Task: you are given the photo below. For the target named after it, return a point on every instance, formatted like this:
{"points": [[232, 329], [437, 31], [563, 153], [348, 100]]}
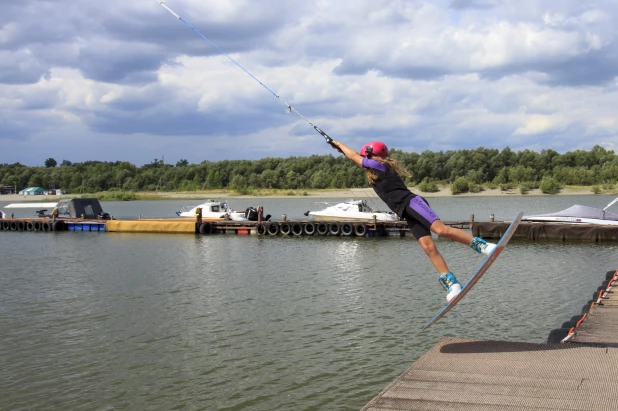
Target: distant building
{"points": [[32, 191], [7, 189]]}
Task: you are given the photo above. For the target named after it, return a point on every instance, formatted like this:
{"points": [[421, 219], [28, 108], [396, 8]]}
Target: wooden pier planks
{"points": [[492, 375], [600, 327], [579, 374]]}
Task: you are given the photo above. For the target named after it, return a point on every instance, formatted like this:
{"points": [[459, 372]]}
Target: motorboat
{"points": [[89, 208], [579, 214], [219, 210], [350, 210], [211, 210]]}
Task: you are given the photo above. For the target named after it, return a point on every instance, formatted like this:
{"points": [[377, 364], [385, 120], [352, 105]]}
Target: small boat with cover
{"points": [[87, 208], [578, 214]]}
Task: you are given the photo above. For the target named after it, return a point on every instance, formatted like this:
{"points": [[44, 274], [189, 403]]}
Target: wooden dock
{"points": [[271, 228], [580, 373], [598, 322], [292, 228]]}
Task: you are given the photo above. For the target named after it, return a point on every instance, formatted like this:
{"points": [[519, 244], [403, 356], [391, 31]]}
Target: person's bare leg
{"points": [[452, 233], [429, 246], [447, 279]]}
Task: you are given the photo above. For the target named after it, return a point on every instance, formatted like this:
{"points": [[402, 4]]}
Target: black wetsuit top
{"points": [[389, 186]]}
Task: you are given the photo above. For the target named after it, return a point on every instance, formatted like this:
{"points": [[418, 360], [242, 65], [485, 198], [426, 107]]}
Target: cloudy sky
{"points": [[125, 80]]}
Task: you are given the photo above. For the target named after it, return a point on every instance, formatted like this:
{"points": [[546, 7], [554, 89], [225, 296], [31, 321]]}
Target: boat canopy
{"points": [[89, 208]]}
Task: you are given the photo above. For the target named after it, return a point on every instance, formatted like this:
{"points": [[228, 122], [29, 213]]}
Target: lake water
{"points": [[102, 321]]}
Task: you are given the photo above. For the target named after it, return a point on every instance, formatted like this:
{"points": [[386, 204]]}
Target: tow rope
{"points": [[289, 107]]}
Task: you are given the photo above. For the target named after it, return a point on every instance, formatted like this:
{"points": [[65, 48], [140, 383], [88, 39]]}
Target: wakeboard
{"points": [[482, 269]]}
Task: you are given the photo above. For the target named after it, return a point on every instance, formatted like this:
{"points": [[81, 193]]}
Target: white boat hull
{"points": [[578, 214], [212, 210], [352, 218], [205, 216], [351, 210], [572, 220]]}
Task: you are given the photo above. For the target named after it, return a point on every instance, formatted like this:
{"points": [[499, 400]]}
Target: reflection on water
{"points": [[139, 321]]}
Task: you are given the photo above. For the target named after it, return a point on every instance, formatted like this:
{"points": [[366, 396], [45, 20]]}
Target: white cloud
{"points": [[540, 124], [417, 74]]}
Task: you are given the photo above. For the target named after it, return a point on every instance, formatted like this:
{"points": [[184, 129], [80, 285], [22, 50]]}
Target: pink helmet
{"points": [[375, 148]]}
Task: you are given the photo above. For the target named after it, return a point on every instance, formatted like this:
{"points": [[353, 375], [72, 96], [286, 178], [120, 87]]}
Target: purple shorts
{"points": [[419, 216]]}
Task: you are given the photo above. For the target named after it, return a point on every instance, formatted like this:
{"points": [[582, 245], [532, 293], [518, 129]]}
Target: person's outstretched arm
{"points": [[348, 152]]}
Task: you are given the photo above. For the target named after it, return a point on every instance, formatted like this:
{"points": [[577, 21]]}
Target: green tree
{"points": [[320, 180], [503, 176], [238, 182], [213, 180], [35, 181], [156, 163], [269, 179], [520, 173], [50, 162]]}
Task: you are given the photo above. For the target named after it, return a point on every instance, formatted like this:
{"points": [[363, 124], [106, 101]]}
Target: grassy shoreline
{"points": [[443, 191]]}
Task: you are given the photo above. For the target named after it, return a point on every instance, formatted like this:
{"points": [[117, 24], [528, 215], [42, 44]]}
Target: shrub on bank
{"points": [[474, 188], [526, 186], [550, 186], [116, 196], [460, 185], [427, 186]]}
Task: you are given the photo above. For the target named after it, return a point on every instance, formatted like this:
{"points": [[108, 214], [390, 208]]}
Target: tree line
{"points": [[467, 168]]}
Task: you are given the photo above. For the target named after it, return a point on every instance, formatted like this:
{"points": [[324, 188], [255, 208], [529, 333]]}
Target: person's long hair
{"points": [[391, 163]]}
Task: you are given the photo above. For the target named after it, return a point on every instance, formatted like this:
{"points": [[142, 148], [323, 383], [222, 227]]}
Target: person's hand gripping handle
{"points": [[328, 139]]}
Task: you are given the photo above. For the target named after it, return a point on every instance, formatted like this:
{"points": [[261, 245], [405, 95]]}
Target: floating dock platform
{"points": [[151, 226], [485, 229], [579, 372], [528, 230], [205, 227], [44, 225]]}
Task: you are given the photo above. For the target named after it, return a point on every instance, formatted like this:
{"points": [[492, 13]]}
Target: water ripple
{"points": [[223, 322]]}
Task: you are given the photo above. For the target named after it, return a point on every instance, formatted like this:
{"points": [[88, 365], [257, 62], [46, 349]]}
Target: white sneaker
{"points": [[488, 249], [451, 285], [481, 246], [453, 292]]}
